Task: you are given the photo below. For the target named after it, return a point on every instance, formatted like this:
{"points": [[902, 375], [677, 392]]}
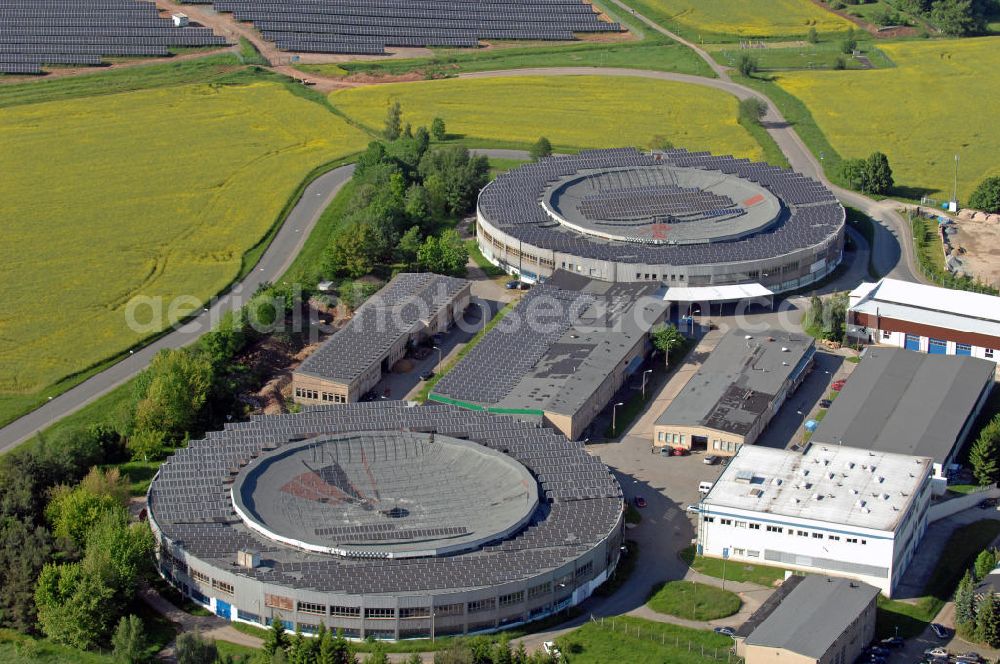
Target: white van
{"points": [[704, 488]]}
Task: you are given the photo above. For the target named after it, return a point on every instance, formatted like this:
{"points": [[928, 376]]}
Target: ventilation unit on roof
{"points": [[881, 479], [885, 496], [817, 497], [860, 503], [784, 349], [849, 465]]}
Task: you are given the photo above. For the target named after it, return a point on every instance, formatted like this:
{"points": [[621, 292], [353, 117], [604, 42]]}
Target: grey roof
{"points": [[579, 501], [906, 402], [555, 348], [813, 616], [808, 214], [739, 380], [399, 309], [367, 492]]}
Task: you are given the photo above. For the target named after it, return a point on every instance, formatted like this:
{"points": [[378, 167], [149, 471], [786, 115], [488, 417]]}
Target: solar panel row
{"points": [[322, 26], [80, 32]]}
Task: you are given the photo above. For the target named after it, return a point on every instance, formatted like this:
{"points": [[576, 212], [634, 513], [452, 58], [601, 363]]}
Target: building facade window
{"points": [[481, 605], [345, 611], [378, 613], [309, 607], [989, 353], [278, 602]]}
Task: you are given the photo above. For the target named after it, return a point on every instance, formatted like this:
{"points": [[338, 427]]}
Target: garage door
{"points": [[222, 609], [963, 349], [912, 342], [937, 347]]}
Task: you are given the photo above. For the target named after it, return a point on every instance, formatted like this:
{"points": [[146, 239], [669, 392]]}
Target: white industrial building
{"points": [[927, 319], [830, 509]]}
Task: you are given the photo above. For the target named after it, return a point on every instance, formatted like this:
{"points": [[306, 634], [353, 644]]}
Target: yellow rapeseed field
{"points": [[156, 193], [942, 99], [747, 18], [571, 111]]}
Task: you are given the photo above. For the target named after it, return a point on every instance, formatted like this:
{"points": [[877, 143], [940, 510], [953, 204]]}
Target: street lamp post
{"points": [[614, 418], [437, 368], [644, 374]]}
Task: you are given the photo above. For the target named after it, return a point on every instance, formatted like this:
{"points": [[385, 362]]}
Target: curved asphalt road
{"points": [[886, 250], [276, 260]]}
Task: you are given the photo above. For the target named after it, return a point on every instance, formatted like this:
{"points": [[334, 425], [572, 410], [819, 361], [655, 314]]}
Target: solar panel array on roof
{"points": [[511, 204], [378, 324], [367, 27], [580, 502], [35, 33]]}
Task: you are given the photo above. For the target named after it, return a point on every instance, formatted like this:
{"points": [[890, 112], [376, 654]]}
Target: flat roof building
{"points": [[909, 403], [829, 509], [408, 310], [815, 620], [561, 353], [730, 400], [928, 319]]}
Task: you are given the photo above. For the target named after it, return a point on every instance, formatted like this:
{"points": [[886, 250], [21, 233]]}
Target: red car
{"points": [[838, 385], [639, 501]]}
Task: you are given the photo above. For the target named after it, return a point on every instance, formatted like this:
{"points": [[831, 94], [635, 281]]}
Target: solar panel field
{"points": [[157, 191], [951, 87], [571, 111], [741, 18]]}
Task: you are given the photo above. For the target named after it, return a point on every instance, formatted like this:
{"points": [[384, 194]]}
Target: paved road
{"points": [[276, 260], [891, 225]]}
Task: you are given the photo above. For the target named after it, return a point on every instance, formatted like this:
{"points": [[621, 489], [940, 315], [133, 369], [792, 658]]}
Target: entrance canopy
{"points": [[718, 294]]}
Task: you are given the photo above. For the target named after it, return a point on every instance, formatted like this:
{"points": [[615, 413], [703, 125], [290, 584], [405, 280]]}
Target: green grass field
{"points": [[571, 111], [823, 55], [762, 575], [911, 618], [726, 20], [694, 601], [156, 193], [654, 52], [937, 102], [638, 641]]}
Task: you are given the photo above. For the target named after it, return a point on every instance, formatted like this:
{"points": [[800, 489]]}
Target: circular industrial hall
{"points": [[386, 520], [682, 218]]}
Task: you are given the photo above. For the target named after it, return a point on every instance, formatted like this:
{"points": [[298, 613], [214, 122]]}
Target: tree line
{"points": [[406, 198]]}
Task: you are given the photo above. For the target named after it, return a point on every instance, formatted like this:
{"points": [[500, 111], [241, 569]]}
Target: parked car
{"points": [[825, 403], [710, 460], [838, 385], [969, 658], [512, 285], [639, 501], [673, 451], [878, 651], [704, 488], [427, 375], [936, 652], [940, 631], [892, 642], [725, 631]]}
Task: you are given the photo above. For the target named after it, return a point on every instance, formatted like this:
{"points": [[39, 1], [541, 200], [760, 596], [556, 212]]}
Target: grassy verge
{"points": [[632, 515], [762, 575], [429, 385], [865, 226], [638, 641], [626, 565], [208, 70], [693, 601], [772, 153], [797, 114], [481, 261], [911, 618], [20, 649], [823, 55], [635, 404], [651, 53]]}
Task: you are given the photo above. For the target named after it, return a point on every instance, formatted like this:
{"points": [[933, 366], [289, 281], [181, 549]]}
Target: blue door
{"points": [[222, 609], [963, 349], [912, 342], [937, 347]]}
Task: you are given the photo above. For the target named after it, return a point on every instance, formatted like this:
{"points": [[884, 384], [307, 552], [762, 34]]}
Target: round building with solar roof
{"points": [[682, 218], [386, 520]]}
